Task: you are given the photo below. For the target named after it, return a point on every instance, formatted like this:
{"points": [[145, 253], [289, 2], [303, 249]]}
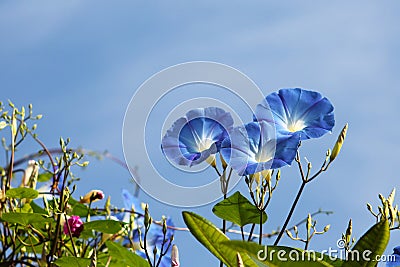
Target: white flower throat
{"points": [[295, 126]]}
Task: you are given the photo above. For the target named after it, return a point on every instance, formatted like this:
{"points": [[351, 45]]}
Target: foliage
{"points": [[43, 224]]}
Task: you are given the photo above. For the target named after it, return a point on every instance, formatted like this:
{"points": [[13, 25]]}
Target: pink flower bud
{"points": [[92, 196], [75, 225]]}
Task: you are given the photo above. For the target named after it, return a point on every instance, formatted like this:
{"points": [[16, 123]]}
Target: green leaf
{"points": [[37, 209], [104, 226], [26, 208], [211, 237], [25, 218], [239, 210], [80, 209], [72, 262], [44, 177], [123, 257], [22, 192], [371, 244], [282, 256]]}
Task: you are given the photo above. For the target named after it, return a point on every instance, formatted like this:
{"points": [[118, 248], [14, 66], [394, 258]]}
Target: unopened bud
{"points": [[339, 143], [349, 231], [296, 231], [107, 205], [92, 196], [382, 198], [369, 207], [211, 160], [326, 228], [278, 175], [239, 260], [223, 162], [164, 227], [290, 234], [175, 256], [391, 196], [147, 217], [155, 250], [309, 224]]}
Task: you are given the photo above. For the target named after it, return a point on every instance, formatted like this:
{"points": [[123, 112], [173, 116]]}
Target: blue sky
{"points": [[80, 62]]}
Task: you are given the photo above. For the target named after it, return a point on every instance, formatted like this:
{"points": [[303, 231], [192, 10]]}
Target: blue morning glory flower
{"points": [[197, 136], [396, 262], [298, 111], [155, 238], [129, 202], [155, 235], [253, 148]]}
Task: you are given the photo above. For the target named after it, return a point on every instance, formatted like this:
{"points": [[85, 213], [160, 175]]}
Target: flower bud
{"points": [[339, 143], [211, 160], [290, 235], [30, 176], [326, 228], [391, 196], [309, 224], [175, 257], [75, 225], [382, 198], [164, 226], [223, 162], [92, 196], [239, 260], [278, 175], [108, 205], [147, 217], [155, 250], [369, 207], [349, 231]]}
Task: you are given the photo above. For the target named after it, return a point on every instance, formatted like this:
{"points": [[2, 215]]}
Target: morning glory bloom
{"points": [[197, 136], [130, 202], [396, 262], [155, 238], [299, 111], [155, 234], [253, 148]]}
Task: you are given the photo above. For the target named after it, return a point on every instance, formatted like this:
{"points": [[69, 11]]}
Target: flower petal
{"points": [[193, 138], [253, 148], [298, 110]]}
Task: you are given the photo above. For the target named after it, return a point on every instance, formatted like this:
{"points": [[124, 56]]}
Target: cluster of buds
{"points": [[311, 231], [388, 211]]}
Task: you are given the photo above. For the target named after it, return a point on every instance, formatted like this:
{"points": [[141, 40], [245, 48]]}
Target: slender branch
{"points": [[296, 200]]}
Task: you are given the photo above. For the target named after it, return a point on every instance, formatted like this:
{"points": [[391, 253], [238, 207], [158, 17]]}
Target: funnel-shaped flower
{"points": [[197, 136], [298, 111], [253, 148], [155, 235]]}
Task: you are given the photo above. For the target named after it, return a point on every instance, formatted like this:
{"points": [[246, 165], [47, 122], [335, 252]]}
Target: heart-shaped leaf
{"points": [[239, 210]]}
